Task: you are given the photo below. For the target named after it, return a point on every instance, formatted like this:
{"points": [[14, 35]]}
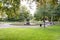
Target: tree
{"points": [[40, 13], [47, 9], [24, 13], [58, 12], [11, 7]]}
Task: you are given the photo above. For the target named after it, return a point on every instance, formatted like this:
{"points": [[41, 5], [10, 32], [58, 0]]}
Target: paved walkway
{"points": [[19, 25], [16, 25]]}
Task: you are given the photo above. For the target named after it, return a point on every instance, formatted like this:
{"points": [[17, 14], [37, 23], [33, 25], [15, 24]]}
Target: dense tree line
{"points": [[51, 11], [45, 8], [13, 10]]}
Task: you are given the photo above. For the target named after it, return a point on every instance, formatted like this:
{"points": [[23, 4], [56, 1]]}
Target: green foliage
{"points": [[23, 13], [40, 13], [52, 12], [0, 4], [58, 10], [13, 12]]}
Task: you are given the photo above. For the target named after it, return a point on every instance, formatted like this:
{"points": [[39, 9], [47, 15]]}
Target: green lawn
{"points": [[50, 33]]}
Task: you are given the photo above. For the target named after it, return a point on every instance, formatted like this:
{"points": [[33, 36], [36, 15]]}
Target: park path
{"points": [[16, 25], [19, 25]]}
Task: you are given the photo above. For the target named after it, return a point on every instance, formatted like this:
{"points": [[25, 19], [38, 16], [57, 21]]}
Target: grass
{"points": [[49, 33]]}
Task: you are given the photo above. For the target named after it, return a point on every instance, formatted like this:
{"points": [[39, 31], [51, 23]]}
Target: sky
{"points": [[30, 5]]}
